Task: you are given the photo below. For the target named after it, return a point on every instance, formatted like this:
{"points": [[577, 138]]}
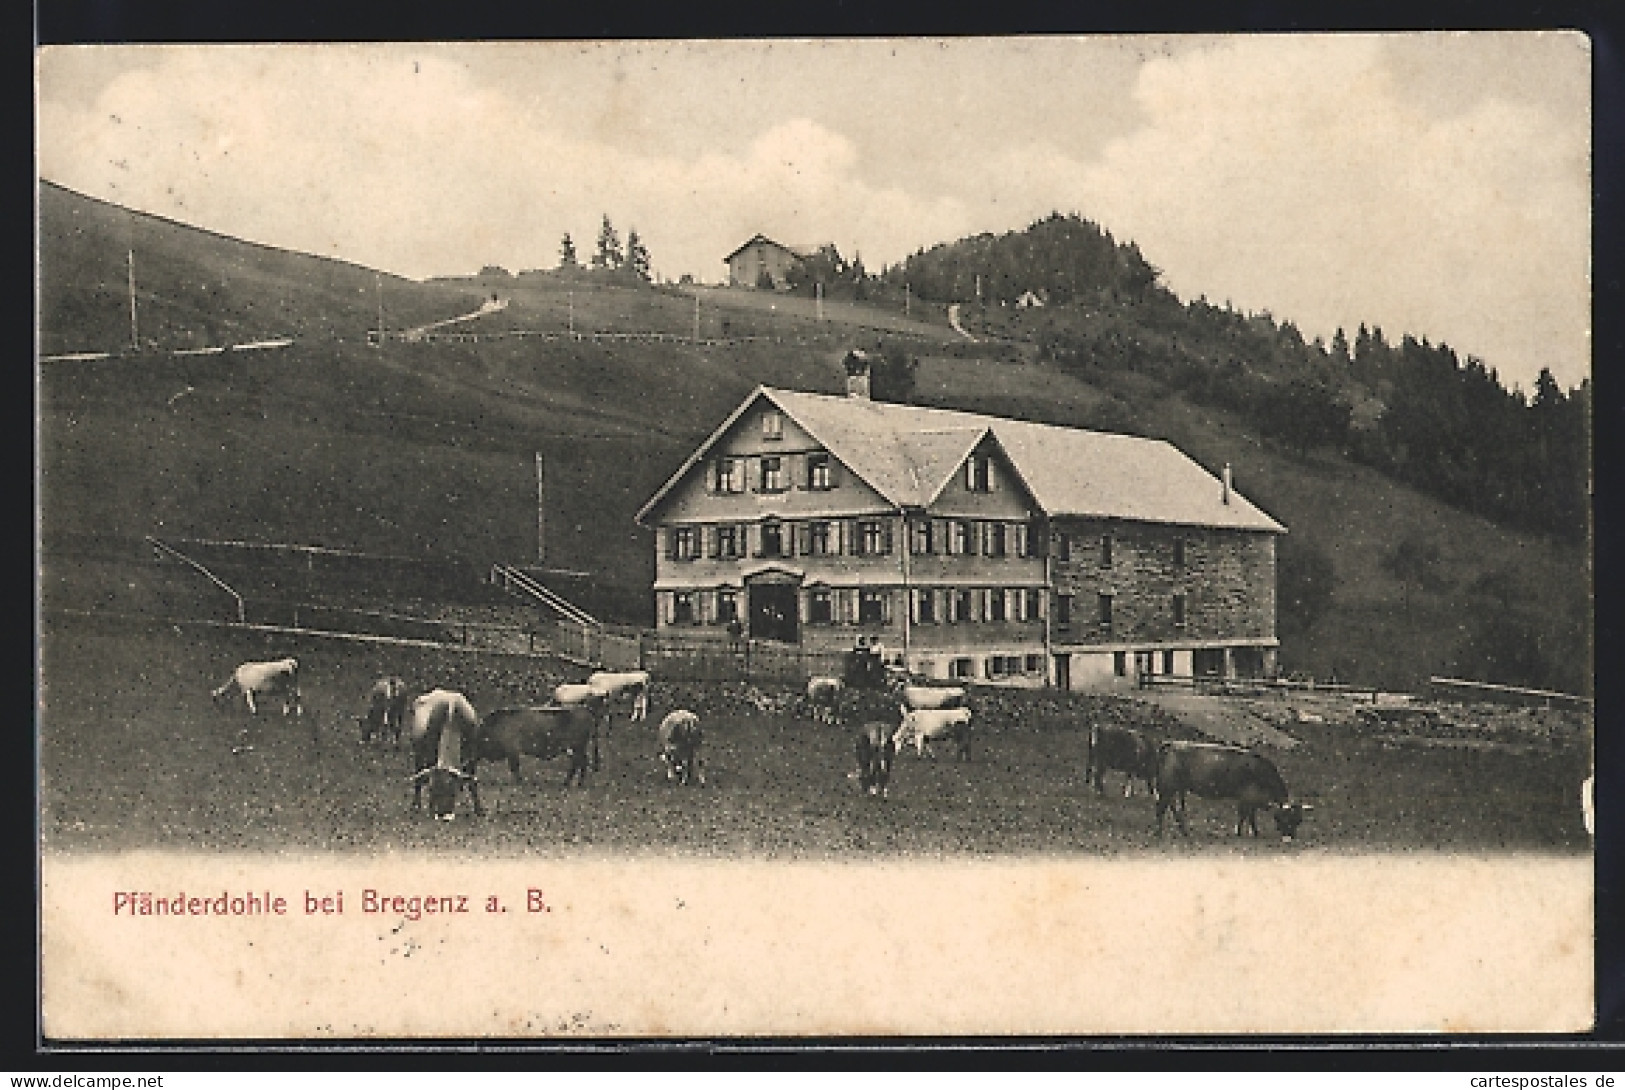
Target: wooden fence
{"points": [[678, 659]]}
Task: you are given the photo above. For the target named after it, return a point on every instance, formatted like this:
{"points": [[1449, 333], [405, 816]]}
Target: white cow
{"points": [[629, 684], [680, 741], [932, 724], [929, 697], [824, 697], [265, 680]]}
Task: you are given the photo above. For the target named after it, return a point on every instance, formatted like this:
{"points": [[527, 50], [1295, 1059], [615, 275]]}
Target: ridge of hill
{"points": [[428, 449]]}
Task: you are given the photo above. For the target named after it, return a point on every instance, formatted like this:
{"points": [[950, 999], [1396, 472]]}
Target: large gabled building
{"points": [[971, 546]]}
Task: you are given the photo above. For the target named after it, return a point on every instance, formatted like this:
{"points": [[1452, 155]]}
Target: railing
{"points": [[512, 579], [169, 550], [1459, 688]]}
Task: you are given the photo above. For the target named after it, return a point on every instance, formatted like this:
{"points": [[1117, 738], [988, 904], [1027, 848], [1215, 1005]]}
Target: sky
{"points": [[1436, 184]]}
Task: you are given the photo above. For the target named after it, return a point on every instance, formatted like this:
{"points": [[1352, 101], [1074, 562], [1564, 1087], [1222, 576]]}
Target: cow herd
{"points": [[448, 739]]}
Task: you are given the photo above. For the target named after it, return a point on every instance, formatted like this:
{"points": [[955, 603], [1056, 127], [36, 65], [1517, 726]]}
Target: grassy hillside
{"points": [[428, 449]]}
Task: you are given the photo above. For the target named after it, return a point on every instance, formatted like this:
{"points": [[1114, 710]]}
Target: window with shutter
{"points": [[818, 607], [1105, 604], [772, 539], [1105, 550], [1018, 534], [920, 537], [713, 470], [871, 607], [819, 472]]}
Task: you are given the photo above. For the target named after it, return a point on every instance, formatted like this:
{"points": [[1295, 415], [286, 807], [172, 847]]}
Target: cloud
{"points": [[1301, 181], [408, 163]]}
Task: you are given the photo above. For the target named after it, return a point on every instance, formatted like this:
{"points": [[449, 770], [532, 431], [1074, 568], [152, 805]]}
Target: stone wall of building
{"points": [[1226, 579]]}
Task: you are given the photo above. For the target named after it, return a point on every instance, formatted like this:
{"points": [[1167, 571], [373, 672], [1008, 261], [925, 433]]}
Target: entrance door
{"points": [[773, 612], [1063, 672]]}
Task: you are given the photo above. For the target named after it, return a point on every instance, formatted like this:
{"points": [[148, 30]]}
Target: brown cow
{"points": [[1224, 772], [875, 750], [1122, 749], [546, 732]]}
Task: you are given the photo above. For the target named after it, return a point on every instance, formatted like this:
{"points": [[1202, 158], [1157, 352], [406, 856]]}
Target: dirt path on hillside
{"points": [[1220, 719]]}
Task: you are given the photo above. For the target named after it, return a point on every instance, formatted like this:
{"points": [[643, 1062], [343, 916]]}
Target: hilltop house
{"points": [[973, 546], [761, 256]]}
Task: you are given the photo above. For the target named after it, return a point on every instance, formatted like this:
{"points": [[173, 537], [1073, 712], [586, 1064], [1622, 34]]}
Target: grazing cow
{"points": [[265, 680], [630, 685], [570, 694], [680, 739], [1224, 772], [444, 732], [930, 697], [875, 748], [1124, 750], [387, 702], [932, 724], [824, 698], [547, 732]]}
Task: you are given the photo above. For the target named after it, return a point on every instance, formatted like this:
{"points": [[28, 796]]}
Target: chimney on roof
{"points": [[857, 365], [1224, 496]]}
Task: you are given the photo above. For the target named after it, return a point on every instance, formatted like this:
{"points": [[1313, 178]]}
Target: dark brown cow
{"points": [[444, 732], [1120, 749], [875, 751], [1224, 772], [544, 733]]}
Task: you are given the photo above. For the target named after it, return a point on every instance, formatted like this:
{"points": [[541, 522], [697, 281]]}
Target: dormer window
{"points": [[979, 473], [772, 424]]}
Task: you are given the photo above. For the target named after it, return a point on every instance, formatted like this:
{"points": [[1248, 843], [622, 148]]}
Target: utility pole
{"points": [[135, 332], [572, 296], [818, 294], [541, 515], [378, 285], [696, 317], [905, 299]]}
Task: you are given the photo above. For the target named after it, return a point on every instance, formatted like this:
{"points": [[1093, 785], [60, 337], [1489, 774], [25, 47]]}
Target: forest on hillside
{"points": [[1417, 411]]}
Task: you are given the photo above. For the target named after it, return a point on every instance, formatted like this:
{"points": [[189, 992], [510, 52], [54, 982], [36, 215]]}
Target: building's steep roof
{"points": [[1069, 471], [801, 250], [908, 453]]}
